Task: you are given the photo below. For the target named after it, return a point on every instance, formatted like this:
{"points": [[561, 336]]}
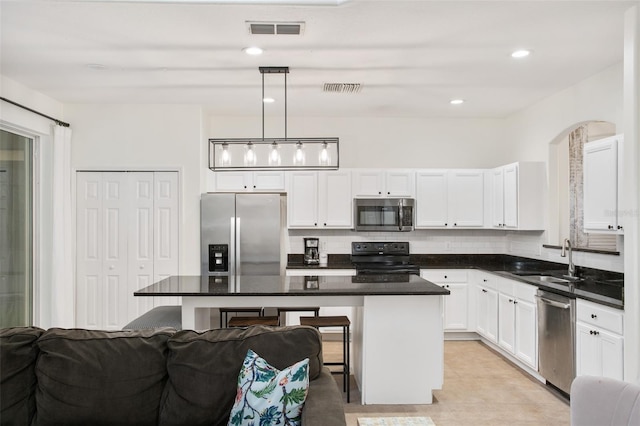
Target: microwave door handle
{"points": [[400, 214]]}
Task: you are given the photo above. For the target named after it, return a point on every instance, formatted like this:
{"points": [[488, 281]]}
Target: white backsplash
{"points": [[516, 243]]}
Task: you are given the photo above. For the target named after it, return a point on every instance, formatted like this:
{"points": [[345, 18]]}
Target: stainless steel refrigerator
{"points": [[242, 234]]}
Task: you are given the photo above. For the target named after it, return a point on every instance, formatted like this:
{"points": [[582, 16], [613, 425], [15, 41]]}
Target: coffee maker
{"points": [[311, 251]]}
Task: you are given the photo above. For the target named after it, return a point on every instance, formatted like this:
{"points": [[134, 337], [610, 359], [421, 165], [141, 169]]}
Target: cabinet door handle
{"points": [[379, 192], [515, 302], [445, 224], [610, 227], [510, 300], [594, 316], [484, 279], [388, 192], [619, 227], [484, 291]]}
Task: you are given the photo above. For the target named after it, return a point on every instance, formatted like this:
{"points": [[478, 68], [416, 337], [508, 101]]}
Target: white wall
{"points": [[598, 98], [17, 119], [146, 137], [389, 141], [531, 131]]}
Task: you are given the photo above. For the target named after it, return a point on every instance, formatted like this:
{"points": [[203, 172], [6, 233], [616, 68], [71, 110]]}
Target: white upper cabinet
{"points": [[267, 180], [450, 198], [379, 183], [320, 199], [302, 199], [335, 202], [602, 169], [517, 196], [466, 198], [431, 199]]}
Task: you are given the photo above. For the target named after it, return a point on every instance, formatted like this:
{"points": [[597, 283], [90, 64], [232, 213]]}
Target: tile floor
{"points": [[480, 388]]}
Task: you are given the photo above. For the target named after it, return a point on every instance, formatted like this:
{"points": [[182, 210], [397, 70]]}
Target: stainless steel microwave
{"points": [[383, 214]]}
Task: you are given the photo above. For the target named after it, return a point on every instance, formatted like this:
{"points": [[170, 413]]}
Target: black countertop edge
{"points": [[310, 293], [584, 249]]}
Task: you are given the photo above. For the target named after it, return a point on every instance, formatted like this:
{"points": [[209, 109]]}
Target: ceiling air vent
{"points": [[342, 87], [276, 28]]}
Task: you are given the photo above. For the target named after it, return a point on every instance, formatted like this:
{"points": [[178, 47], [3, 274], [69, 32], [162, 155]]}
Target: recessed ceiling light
{"points": [[253, 50], [268, 100], [456, 101], [520, 54]]}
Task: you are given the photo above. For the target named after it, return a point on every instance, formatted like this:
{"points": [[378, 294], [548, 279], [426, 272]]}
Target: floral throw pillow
{"points": [[267, 396]]}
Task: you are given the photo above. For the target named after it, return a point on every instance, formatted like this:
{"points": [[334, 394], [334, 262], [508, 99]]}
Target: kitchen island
{"points": [[397, 331]]}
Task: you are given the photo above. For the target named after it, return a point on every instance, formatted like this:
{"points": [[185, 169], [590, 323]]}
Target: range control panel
{"points": [[364, 248]]}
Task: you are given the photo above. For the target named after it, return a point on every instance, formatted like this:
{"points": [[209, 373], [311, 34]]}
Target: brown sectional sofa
{"points": [[149, 377]]}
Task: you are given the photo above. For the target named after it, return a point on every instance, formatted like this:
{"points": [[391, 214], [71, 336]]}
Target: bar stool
{"points": [[335, 321], [249, 321], [224, 312], [314, 309]]}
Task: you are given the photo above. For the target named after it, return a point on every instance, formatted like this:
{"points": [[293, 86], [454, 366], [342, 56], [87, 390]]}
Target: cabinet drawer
{"points": [[526, 292], [506, 287], [599, 316], [487, 280], [444, 275]]}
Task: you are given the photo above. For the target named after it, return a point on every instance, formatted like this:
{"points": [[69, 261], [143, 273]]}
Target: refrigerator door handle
{"points": [[237, 239], [232, 246]]}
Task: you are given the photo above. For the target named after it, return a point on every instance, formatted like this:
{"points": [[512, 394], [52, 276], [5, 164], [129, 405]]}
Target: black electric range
{"points": [[381, 259]]}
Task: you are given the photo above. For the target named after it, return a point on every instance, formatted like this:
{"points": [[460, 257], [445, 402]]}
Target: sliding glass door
{"points": [[16, 229]]}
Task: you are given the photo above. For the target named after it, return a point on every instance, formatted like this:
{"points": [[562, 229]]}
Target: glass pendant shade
{"points": [[299, 155], [250, 155], [274, 155]]}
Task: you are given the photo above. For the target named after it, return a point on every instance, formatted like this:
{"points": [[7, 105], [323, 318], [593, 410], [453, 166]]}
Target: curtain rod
{"points": [[58, 122]]}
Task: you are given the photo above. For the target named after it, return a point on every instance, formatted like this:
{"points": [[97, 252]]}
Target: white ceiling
{"points": [[411, 57]]}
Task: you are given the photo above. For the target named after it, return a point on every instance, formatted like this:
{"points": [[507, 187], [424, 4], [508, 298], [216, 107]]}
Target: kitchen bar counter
{"points": [[396, 322]]}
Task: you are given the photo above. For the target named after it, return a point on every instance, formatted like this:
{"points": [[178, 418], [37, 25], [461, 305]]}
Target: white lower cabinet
{"points": [[456, 304], [487, 305], [293, 318], [517, 320], [599, 340]]}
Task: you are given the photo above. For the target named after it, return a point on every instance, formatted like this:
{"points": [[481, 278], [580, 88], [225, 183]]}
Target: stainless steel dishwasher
{"points": [[556, 339]]}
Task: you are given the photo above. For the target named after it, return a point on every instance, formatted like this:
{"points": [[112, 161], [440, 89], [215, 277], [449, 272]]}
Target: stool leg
{"points": [[347, 367]]}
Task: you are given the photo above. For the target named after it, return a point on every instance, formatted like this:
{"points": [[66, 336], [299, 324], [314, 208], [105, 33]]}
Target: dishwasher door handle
{"points": [[554, 303]]}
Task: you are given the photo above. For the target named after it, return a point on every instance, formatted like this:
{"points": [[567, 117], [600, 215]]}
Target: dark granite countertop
{"points": [[279, 285], [598, 286]]}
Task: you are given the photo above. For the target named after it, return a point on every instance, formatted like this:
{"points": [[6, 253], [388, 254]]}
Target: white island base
{"points": [[397, 340]]}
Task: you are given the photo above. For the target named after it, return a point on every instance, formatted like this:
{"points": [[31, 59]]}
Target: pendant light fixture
{"points": [[274, 153]]}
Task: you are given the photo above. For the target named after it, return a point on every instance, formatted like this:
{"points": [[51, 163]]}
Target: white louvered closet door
{"points": [[119, 233]]}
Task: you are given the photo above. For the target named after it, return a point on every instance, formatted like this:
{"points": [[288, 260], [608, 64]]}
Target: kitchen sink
{"points": [[548, 279]]}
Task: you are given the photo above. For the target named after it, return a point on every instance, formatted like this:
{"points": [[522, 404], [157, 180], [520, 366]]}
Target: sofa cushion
{"points": [[267, 395], [18, 354], [203, 368], [100, 377]]}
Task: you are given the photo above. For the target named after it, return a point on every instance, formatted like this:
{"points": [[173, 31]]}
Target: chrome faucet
{"points": [[566, 246]]}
